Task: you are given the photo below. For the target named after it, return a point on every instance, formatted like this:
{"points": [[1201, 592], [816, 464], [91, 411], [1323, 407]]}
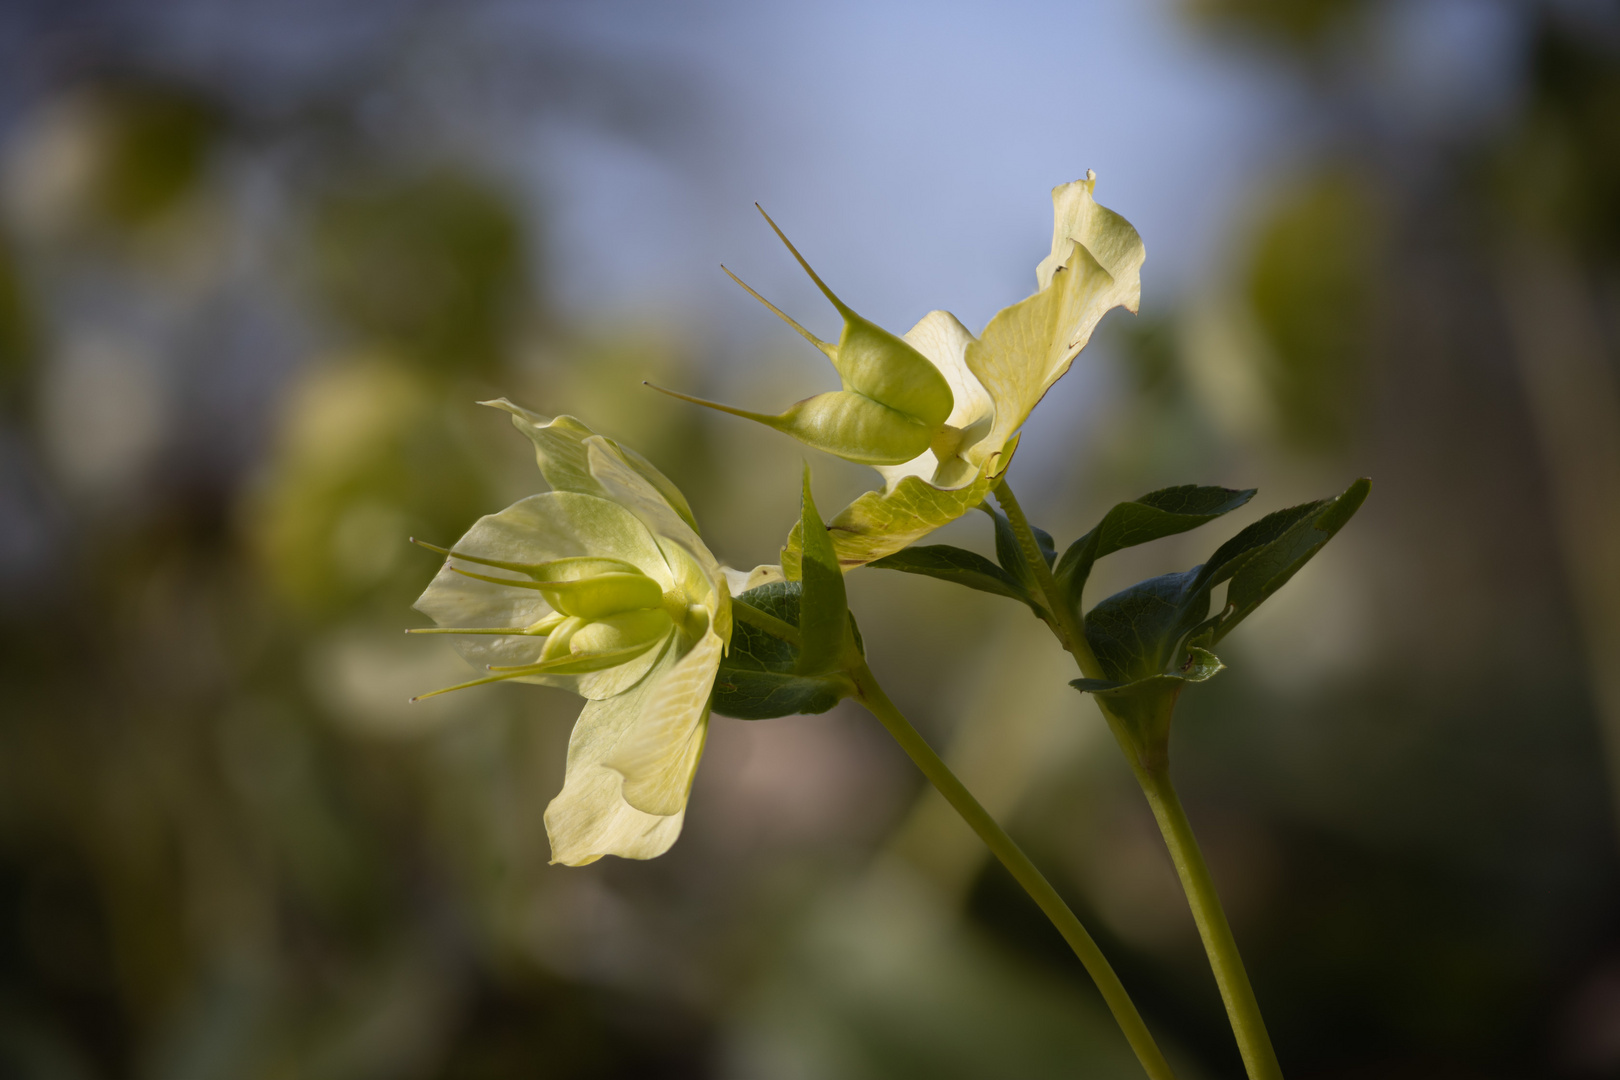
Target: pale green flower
{"points": [[600, 586], [995, 380]]}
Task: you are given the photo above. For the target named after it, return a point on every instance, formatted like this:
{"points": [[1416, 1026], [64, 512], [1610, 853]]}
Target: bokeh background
{"points": [[258, 260]]}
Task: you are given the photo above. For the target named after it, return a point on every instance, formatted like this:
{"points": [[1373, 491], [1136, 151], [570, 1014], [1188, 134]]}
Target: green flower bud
{"points": [[894, 403]]}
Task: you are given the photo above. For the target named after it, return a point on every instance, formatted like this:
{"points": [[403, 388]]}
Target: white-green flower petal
{"points": [[559, 448], [695, 571], [1094, 266], [740, 581], [660, 483], [659, 754], [955, 456], [590, 818], [627, 487], [1110, 239]]}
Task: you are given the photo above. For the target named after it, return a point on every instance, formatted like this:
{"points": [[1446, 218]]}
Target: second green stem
{"points": [[870, 694], [1248, 1027]]}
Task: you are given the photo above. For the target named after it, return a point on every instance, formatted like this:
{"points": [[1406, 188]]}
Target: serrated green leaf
{"points": [[1153, 516], [1134, 632], [767, 695], [1267, 568], [956, 565], [755, 649], [757, 678], [1231, 556], [823, 607]]}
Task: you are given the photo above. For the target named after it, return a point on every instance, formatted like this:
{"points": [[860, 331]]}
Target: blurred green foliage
{"points": [[1311, 285], [1288, 24], [1558, 170], [368, 455], [433, 266], [16, 330], [154, 143]]}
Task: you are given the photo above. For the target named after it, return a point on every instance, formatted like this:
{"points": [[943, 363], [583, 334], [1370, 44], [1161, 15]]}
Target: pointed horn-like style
{"points": [[780, 314], [843, 309], [530, 568], [767, 419]]}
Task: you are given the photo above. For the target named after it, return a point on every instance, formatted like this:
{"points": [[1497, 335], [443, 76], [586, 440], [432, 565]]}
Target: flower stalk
{"points": [[1149, 760], [1066, 624], [1254, 1043]]}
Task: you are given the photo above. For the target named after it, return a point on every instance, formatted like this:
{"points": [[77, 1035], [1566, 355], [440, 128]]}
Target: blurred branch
{"points": [[1574, 401], [1009, 733]]}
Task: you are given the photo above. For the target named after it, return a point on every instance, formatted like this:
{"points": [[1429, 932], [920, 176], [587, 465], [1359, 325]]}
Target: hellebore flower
{"points": [[600, 586], [938, 411]]}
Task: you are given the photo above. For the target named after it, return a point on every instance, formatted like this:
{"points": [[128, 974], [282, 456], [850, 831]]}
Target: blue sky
{"points": [[908, 149]]}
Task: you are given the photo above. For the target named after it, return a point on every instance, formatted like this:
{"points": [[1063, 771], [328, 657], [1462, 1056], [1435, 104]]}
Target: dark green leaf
{"points": [[1044, 541], [1263, 570], [757, 678], [1133, 632], [1011, 556], [824, 610], [955, 564], [1231, 556], [755, 649], [1153, 516], [766, 695]]}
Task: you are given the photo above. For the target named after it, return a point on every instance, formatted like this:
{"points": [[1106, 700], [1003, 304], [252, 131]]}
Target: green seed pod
{"points": [[604, 595], [894, 401], [629, 630]]}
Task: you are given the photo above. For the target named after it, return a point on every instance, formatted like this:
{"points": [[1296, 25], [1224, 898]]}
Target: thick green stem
{"points": [[1064, 622], [870, 694], [1150, 763], [1259, 1059]]}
